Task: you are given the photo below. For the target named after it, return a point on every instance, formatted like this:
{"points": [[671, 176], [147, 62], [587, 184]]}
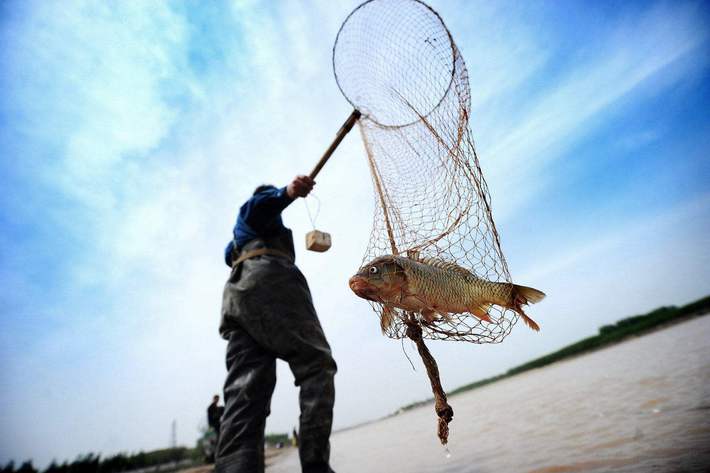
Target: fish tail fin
{"points": [[526, 295], [386, 318]]}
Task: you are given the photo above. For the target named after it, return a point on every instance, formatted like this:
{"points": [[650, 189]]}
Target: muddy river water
{"points": [[640, 406]]}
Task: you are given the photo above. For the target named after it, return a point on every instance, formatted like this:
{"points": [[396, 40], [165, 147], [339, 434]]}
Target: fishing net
{"points": [[396, 62]]}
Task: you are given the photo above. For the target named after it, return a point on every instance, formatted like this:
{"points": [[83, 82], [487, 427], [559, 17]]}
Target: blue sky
{"points": [[131, 132]]}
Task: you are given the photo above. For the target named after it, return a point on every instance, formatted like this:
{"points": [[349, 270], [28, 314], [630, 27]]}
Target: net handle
{"points": [[344, 130]]}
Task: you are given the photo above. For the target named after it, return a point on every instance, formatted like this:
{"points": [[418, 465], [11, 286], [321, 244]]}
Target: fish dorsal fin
{"points": [[445, 265]]}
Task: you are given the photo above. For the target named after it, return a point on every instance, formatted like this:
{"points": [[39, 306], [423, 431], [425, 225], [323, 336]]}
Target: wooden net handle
{"points": [[347, 126]]}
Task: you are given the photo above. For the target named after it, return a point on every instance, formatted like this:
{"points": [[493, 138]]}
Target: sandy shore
{"points": [[270, 456], [642, 405]]}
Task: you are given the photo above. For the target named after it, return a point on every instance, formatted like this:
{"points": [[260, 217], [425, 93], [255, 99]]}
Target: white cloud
{"points": [[97, 83], [567, 109]]}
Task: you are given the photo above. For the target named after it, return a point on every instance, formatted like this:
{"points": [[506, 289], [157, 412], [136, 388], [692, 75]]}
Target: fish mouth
{"points": [[362, 288]]}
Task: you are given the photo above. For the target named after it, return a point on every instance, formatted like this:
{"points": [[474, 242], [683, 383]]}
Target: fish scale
{"points": [[441, 282]]}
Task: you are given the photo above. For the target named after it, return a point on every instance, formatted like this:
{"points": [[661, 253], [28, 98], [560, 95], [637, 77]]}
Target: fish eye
{"points": [[373, 270]]}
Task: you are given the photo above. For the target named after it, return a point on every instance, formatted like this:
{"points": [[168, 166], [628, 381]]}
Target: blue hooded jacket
{"points": [[260, 216]]}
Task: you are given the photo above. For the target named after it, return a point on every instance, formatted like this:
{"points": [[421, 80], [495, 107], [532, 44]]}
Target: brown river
{"points": [[639, 406]]}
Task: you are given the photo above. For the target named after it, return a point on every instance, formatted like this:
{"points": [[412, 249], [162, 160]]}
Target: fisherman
{"points": [[268, 313]]}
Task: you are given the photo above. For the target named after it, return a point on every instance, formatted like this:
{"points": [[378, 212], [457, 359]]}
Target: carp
{"points": [[435, 289]]}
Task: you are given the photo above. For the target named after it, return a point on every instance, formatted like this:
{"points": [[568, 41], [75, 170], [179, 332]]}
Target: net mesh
{"points": [[396, 62]]}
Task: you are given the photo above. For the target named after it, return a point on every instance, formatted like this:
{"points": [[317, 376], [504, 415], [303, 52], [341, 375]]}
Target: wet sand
{"points": [[639, 406]]}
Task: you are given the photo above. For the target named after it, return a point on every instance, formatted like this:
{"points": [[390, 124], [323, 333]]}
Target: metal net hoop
{"points": [[394, 60]]}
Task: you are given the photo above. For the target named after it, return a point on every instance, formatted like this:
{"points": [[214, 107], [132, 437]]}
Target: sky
{"points": [[131, 132]]}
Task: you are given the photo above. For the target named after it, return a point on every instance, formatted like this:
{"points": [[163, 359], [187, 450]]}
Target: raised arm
{"points": [[268, 204]]}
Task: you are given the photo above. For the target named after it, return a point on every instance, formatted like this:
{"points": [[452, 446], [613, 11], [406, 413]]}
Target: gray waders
{"points": [[267, 313]]}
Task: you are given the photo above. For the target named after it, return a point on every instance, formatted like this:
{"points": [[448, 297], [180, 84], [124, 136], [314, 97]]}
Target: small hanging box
{"points": [[317, 241]]}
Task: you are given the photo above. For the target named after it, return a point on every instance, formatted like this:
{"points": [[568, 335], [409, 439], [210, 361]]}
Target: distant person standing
{"points": [[214, 414], [294, 438]]}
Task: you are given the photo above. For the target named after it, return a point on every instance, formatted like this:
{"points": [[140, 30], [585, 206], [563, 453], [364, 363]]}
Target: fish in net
{"points": [[433, 268]]}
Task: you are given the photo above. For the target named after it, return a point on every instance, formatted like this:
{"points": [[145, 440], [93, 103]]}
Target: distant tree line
{"points": [[26, 467], [273, 439], [92, 463], [621, 330]]}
